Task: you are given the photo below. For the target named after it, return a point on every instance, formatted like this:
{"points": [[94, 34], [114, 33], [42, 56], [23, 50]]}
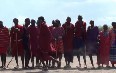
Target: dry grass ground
{"points": [[62, 70]]}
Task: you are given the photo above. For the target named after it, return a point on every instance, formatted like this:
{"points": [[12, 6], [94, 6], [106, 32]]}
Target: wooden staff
{"points": [[16, 49]]}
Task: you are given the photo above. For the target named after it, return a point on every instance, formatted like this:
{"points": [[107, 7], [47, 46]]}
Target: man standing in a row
{"points": [[92, 40], [45, 45], [17, 49], [80, 37], [103, 55], [113, 44], [33, 40], [68, 41], [57, 33], [4, 43], [26, 42]]}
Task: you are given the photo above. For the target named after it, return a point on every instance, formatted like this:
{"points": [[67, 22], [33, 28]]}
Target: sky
{"points": [[101, 11]]}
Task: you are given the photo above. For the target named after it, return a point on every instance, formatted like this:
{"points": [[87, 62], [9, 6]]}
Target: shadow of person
{"points": [[39, 72]]}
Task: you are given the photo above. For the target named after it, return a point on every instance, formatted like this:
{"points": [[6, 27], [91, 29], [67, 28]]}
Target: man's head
{"points": [[105, 27], [57, 23], [41, 19], [68, 19], [33, 22], [114, 25], [91, 23], [53, 23], [15, 20], [80, 18], [27, 21], [1, 24]]}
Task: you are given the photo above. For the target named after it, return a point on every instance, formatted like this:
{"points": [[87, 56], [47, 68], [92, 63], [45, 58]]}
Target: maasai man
{"points": [[57, 33], [4, 43], [113, 44], [53, 54], [80, 35], [45, 44], [92, 40], [17, 48], [38, 57], [33, 40], [104, 47], [26, 42], [68, 41]]}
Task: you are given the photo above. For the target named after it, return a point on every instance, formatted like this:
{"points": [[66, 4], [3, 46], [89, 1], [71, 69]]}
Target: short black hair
{"points": [[41, 18], [15, 19], [27, 19], [53, 22], [57, 21], [91, 21], [1, 22], [80, 17], [32, 20], [113, 23], [69, 17], [105, 25]]}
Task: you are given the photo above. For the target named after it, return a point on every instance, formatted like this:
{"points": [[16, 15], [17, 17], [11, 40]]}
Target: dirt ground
{"points": [[74, 69]]}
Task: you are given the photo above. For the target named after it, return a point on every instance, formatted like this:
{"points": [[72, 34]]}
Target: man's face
{"points": [[15, 22], [33, 22], [80, 19], [105, 28], [27, 22], [114, 26], [68, 20], [92, 23], [40, 21]]}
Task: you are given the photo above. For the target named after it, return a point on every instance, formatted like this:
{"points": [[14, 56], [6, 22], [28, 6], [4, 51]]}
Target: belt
{"points": [[60, 37], [18, 40]]}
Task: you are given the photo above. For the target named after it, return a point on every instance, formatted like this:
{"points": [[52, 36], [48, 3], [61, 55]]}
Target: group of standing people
{"points": [[48, 44]]}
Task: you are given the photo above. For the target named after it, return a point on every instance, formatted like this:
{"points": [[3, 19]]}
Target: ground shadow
{"points": [[39, 72], [102, 68], [20, 69], [76, 68]]}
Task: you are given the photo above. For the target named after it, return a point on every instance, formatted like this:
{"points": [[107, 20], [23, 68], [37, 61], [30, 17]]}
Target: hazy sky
{"points": [[101, 11]]}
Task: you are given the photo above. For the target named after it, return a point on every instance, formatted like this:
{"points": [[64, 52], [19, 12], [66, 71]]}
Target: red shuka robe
{"points": [[17, 45], [57, 33], [80, 29], [33, 39], [4, 40], [68, 36], [104, 48], [45, 44]]}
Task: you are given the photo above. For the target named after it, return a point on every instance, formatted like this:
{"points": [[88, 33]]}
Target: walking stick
{"points": [[9, 62], [12, 57], [16, 48]]}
